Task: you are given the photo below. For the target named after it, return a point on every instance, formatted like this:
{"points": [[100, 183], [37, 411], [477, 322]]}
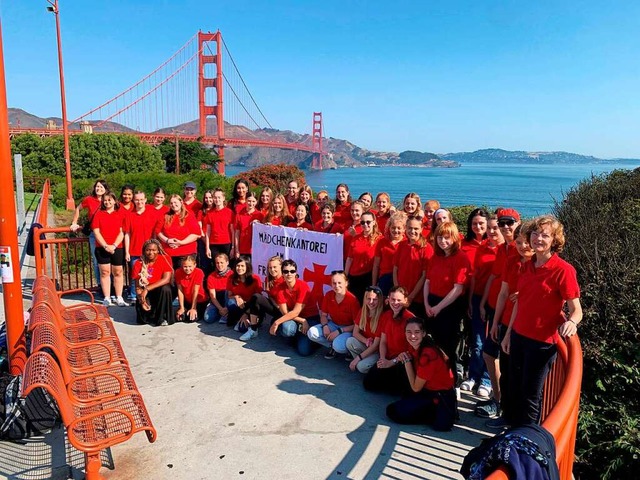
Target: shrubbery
{"points": [[275, 177], [602, 220]]}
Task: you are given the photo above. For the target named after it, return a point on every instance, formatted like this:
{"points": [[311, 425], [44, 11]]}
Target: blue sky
{"points": [[438, 76]]}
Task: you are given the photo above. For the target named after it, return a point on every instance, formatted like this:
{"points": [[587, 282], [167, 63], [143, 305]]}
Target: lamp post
{"points": [[53, 7]]}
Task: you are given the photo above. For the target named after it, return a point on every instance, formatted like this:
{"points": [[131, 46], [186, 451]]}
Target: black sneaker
{"points": [[330, 354], [487, 409], [498, 423], [348, 357]]}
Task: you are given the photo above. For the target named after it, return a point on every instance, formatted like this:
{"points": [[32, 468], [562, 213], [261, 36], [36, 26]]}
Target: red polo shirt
{"points": [[386, 251], [485, 257], [394, 330], [188, 282], [194, 207], [140, 226], [444, 272], [109, 224], [220, 222], [332, 228], [243, 225], [291, 205], [382, 220], [362, 253], [411, 261], [344, 313], [542, 292], [368, 332], [276, 284], [504, 251], [155, 270], [510, 276], [314, 213], [342, 215], [175, 230], [305, 225], [218, 282], [348, 238], [244, 291], [92, 204], [300, 293], [430, 366]]}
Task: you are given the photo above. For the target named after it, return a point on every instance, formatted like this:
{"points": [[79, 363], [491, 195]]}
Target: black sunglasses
{"points": [[366, 222], [504, 223], [375, 289], [288, 271]]}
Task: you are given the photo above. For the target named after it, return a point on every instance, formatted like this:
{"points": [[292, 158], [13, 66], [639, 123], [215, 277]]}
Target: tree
{"points": [[193, 156], [276, 177]]}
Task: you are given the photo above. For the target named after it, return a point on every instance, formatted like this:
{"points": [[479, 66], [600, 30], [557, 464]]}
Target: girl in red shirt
{"points": [[327, 224], [244, 227], [241, 286], [126, 198], [546, 285], [264, 203], [382, 274], [412, 206], [388, 375], [432, 400], [218, 226], [108, 228], [178, 231], [364, 344], [204, 263], [446, 276], [217, 288], [441, 215], [337, 315], [343, 204], [152, 274], [306, 198], [239, 195], [300, 221], [383, 203], [352, 228], [360, 258], [279, 215], [430, 207], [139, 226], [190, 282], [159, 207], [265, 303], [367, 200]]}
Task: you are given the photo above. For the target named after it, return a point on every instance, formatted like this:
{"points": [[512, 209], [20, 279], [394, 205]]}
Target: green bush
{"points": [[602, 221], [276, 177]]}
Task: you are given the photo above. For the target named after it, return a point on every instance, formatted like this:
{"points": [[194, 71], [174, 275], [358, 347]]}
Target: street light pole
{"points": [[65, 127]]}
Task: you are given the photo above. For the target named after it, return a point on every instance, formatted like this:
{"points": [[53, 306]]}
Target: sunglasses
{"points": [[375, 289], [333, 272], [288, 271], [366, 222], [504, 223]]}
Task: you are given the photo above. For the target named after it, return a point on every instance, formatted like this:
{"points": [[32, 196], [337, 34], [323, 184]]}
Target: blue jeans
{"points": [[94, 260], [339, 344], [477, 367], [212, 314], [304, 346], [132, 285]]}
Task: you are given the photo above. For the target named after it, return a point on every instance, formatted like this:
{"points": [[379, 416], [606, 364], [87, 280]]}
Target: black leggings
{"points": [[445, 327], [392, 380], [161, 310], [260, 306], [436, 408]]}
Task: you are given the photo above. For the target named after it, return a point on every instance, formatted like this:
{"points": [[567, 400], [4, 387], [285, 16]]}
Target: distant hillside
{"points": [[20, 118], [496, 155]]}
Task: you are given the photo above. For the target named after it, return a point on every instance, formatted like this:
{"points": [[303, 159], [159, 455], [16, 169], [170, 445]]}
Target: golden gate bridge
{"points": [[190, 97]]}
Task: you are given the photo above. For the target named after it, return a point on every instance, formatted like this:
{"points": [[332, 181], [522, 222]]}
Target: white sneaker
{"points": [[121, 303], [223, 319], [236, 328], [484, 391], [458, 396], [248, 335], [468, 385], [107, 302]]}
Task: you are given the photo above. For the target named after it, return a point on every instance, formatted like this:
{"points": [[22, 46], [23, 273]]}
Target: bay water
{"points": [[529, 188]]}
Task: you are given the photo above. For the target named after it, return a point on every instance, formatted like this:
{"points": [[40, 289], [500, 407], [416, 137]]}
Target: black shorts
{"points": [[492, 348], [105, 258]]}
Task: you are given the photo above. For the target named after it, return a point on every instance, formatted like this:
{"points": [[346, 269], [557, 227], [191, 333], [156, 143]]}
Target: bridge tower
{"points": [[316, 141], [216, 82]]}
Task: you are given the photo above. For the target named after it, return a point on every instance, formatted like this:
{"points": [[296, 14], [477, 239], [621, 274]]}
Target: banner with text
{"points": [[316, 254]]}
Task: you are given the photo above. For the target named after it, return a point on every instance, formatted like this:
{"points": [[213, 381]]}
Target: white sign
{"points": [[316, 254], [5, 265]]}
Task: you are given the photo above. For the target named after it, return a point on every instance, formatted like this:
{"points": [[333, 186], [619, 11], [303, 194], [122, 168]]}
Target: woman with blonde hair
{"points": [[265, 200], [365, 340], [386, 251], [305, 197], [279, 214], [360, 257], [178, 231]]}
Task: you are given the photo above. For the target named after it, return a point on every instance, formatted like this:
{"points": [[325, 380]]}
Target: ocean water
{"points": [[531, 189]]}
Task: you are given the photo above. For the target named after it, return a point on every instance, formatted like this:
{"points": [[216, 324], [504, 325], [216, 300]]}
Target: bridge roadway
{"points": [[228, 409]]}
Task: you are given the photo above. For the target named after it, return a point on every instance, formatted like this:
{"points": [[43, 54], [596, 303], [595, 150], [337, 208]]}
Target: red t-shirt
{"points": [[276, 221], [344, 313], [368, 332], [332, 228], [155, 270], [305, 225], [394, 331], [362, 252], [220, 222], [444, 272], [160, 212], [485, 257], [430, 366], [542, 292], [510, 276], [386, 251], [218, 282], [243, 225], [244, 291], [175, 230], [315, 213], [139, 226], [291, 205], [188, 283], [342, 215], [110, 225], [382, 220], [504, 251], [300, 293], [411, 261], [348, 237], [238, 206], [194, 207], [277, 283], [92, 204]]}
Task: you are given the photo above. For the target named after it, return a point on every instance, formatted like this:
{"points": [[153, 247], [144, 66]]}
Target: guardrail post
{"points": [[9, 256]]}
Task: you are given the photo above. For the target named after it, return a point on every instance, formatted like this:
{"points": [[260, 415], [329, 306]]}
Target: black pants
{"points": [[529, 365], [160, 300], [387, 380], [358, 284], [445, 327], [260, 306], [436, 408], [200, 308]]}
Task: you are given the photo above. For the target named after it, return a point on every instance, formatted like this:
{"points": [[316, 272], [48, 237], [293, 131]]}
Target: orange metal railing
{"points": [[560, 403]]}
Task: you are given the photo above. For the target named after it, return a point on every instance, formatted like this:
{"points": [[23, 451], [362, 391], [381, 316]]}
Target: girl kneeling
{"points": [[432, 400]]}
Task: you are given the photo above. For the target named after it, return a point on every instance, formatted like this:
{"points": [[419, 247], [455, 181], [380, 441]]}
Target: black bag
{"points": [[24, 417], [86, 229]]}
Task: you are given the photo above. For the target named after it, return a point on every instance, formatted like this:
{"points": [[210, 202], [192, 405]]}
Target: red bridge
{"points": [[176, 100]]}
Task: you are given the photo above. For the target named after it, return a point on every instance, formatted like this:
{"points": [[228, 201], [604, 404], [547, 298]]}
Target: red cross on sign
{"points": [[319, 279]]}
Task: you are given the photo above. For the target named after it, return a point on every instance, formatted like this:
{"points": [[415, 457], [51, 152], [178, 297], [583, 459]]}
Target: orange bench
{"points": [[44, 290], [94, 424]]}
